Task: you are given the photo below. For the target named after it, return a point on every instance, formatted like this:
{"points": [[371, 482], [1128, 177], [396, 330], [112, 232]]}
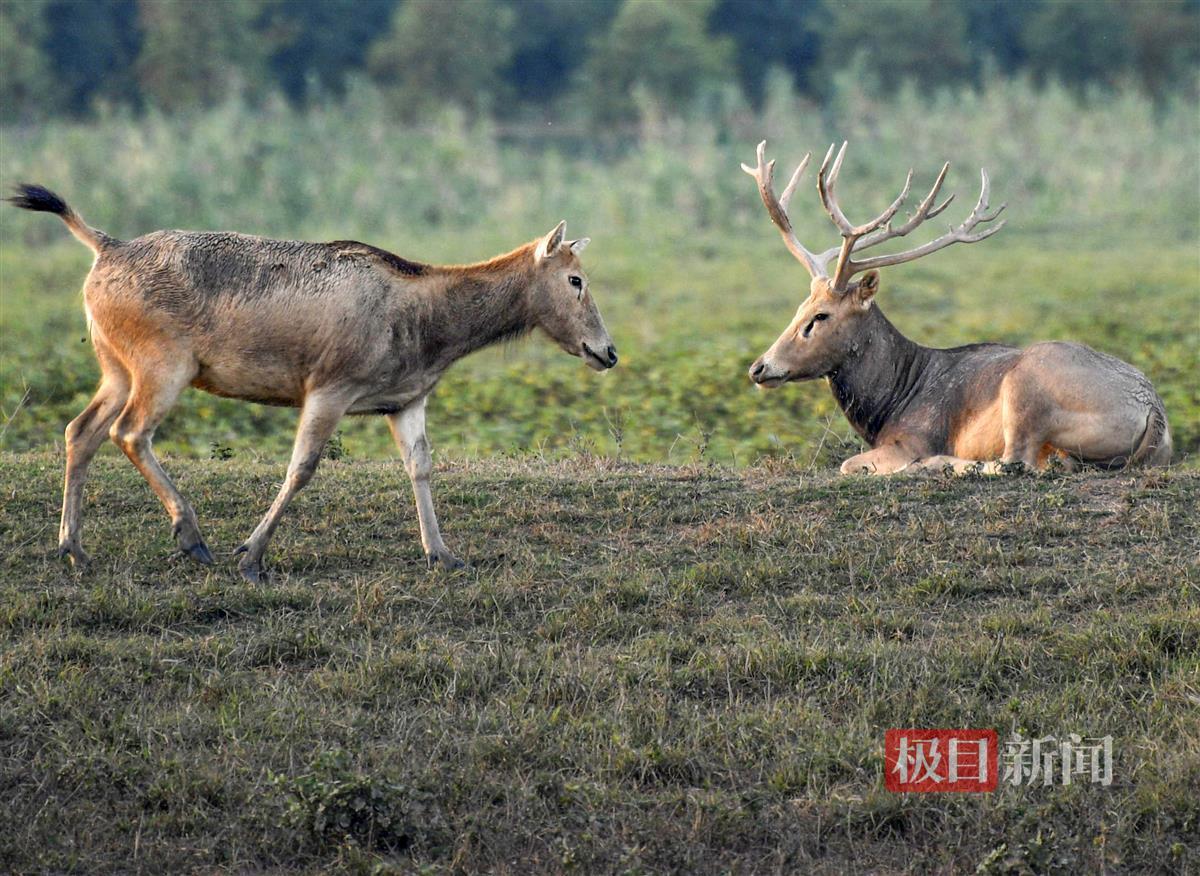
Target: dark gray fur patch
{"points": [[892, 383], [393, 261], [204, 264]]}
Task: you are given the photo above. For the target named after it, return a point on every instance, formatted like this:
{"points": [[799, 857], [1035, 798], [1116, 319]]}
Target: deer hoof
{"points": [[200, 553], [252, 572], [445, 559], [79, 558], [250, 566]]}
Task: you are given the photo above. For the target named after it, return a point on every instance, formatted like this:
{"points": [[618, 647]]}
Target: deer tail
{"points": [[1155, 446], [42, 200]]}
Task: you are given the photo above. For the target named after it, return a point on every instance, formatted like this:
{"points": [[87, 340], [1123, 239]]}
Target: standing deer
{"points": [[332, 328], [924, 408]]}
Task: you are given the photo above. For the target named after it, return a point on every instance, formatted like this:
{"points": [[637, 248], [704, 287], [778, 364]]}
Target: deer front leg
{"points": [[957, 465], [318, 418], [888, 459], [408, 428]]}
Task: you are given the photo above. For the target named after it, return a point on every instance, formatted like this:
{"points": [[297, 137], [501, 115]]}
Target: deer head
{"points": [[828, 322], [562, 305]]}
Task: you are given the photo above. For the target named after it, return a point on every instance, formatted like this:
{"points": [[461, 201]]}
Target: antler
{"points": [[922, 213], [961, 234], [856, 238], [879, 229], [777, 209]]}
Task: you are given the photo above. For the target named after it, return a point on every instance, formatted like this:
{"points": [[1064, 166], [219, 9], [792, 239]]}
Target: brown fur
{"points": [[924, 408], [332, 328], [927, 408]]}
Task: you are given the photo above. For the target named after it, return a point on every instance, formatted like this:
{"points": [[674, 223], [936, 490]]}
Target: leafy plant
{"points": [[334, 448], [333, 804], [219, 451]]}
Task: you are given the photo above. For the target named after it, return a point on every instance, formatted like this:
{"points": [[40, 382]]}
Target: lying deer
{"points": [[332, 328], [928, 408]]}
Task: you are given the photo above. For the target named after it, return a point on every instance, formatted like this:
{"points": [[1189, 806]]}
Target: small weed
{"points": [[334, 804], [335, 449], [220, 452]]}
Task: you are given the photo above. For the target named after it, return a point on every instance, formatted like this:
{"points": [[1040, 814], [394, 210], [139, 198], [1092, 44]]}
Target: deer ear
{"points": [[549, 244], [867, 287], [578, 246]]}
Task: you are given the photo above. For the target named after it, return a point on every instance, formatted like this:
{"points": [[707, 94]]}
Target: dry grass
{"points": [[646, 669]]}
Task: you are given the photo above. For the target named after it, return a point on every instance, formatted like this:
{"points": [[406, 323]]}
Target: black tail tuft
{"points": [[37, 198]]}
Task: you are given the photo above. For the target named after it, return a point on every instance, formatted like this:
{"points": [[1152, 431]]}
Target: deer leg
{"points": [[84, 436], [956, 464], [1023, 415], [408, 428], [888, 459], [318, 418], [155, 391]]}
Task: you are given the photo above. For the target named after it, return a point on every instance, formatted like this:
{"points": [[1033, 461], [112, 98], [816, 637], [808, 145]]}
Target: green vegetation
{"points": [[681, 638], [647, 669], [1101, 247]]}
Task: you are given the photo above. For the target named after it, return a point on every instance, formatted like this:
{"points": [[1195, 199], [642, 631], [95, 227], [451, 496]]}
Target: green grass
{"points": [[688, 318], [645, 669], [681, 639], [1101, 248]]}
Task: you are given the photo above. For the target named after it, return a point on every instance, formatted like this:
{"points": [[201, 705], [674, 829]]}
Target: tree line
{"points": [[590, 59]]}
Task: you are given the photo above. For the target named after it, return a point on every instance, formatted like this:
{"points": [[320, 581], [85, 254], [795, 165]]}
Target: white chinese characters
{"points": [[1048, 760]]}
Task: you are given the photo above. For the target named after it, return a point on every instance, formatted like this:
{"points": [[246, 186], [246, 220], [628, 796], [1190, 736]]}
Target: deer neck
{"points": [[475, 307], [879, 376]]}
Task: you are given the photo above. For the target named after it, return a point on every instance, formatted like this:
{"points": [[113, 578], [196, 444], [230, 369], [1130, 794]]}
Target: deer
{"points": [[986, 408], [330, 328]]}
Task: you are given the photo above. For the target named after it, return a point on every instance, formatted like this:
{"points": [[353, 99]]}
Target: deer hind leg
{"points": [[1024, 414], [155, 390], [318, 418], [84, 436], [408, 428]]}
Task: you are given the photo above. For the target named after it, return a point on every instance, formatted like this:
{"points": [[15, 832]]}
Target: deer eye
{"points": [[820, 317], [577, 282]]}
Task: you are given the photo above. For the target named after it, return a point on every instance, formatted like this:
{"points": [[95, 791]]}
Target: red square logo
{"points": [[963, 761]]}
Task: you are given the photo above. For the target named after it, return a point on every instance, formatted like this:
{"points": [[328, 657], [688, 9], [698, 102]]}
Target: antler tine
{"points": [[777, 207], [790, 188], [826, 182], [886, 215], [985, 190], [922, 213], [983, 235], [961, 234], [979, 214], [938, 209]]}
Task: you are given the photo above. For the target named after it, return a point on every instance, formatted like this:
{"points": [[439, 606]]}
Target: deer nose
{"points": [[757, 369], [611, 352]]}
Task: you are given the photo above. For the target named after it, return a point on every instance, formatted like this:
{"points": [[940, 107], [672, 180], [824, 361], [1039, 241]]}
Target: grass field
{"points": [[646, 669], [680, 639], [680, 393], [1102, 247]]}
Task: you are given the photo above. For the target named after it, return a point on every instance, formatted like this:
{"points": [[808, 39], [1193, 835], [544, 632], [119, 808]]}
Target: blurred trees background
{"points": [[586, 60]]}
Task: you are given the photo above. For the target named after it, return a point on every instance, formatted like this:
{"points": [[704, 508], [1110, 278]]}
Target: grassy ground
{"points": [[646, 668], [1101, 247], [688, 317]]}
